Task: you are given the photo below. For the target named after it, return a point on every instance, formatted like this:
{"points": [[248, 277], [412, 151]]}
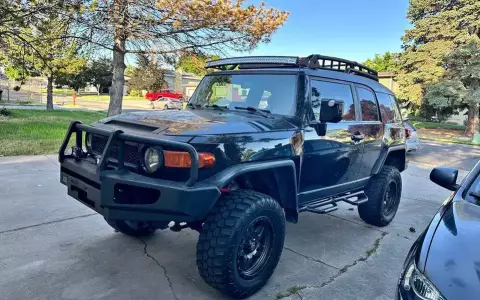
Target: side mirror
{"points": [[331, 111], [445, 177]]}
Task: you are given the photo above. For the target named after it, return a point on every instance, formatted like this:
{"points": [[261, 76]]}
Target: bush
{"points": [[135, 93], [5, 112]]}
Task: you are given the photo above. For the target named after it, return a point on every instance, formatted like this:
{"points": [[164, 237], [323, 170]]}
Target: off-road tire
{"points": [[222, 233], [125, 228], [373, 211]]}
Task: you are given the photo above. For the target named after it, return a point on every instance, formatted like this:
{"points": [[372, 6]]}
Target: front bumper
{"points": [[119, 194]]}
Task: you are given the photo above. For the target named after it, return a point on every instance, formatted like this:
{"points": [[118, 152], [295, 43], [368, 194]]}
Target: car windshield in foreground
{"points": [[265, 93]]}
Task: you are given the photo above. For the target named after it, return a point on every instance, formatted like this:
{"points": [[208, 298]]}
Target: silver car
{"points": [[167, 103], [413, 143]]}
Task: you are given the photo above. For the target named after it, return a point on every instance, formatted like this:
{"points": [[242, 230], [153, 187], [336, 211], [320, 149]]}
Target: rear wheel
{"points": [[135, 228], [165, 107], [241, 242], [384, 192]]}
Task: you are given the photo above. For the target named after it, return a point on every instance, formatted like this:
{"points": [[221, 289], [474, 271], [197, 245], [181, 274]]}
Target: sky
{"points": [[350, 29]]}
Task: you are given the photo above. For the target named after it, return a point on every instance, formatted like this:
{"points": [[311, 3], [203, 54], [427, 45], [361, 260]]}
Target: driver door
{"points": [[330, 163]]}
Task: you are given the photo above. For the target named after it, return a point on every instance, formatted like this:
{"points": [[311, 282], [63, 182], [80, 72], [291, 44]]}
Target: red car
{"points": [[157, 95]]}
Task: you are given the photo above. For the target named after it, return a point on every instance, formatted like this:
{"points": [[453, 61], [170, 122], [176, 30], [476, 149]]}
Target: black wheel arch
{"points": [[394, 155], [277, 179]]}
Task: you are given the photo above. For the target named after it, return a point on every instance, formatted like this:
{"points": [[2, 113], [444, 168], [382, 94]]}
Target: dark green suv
{"points": [[261, 140]]}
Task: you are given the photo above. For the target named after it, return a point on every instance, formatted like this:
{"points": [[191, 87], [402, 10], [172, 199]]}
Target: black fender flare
{"points": [[384, 154], [285, 175]]}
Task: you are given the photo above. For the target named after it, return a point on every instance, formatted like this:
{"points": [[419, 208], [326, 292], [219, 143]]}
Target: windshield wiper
{"points": [[222, 108], [262, 112]]}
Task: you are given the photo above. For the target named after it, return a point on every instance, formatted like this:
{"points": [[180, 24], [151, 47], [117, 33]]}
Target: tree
{"points": [[168, 27], [41, 47], [461, 85], [76, 81], [149, 75], [383, 63], [439, 27], [97, 72], [100, 73], [194, 63]]}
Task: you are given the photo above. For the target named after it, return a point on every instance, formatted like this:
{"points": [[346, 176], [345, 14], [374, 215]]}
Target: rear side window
{"points": [[388, 108], [325, 90], [368, 104]]}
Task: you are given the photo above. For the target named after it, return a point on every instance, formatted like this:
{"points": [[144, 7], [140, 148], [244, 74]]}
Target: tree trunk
{"points": [[472, 121], [50, 92], [119, 37]]}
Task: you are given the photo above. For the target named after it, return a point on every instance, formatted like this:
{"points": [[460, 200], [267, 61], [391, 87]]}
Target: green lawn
{"points": [[28, 132], [435, 125]]}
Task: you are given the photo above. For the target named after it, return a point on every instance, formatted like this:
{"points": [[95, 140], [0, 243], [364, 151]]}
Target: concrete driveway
{"points": [[51, 247]]}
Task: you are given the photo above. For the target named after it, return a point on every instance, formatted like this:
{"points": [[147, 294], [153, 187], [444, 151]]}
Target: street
{"points": [[55, 248]]}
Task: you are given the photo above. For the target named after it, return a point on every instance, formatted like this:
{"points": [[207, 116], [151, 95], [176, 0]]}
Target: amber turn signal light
{"points": [[175, 159]]}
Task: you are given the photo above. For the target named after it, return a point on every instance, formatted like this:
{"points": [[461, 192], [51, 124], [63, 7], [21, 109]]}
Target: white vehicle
{"points": [[413, 143], [168, 103]]}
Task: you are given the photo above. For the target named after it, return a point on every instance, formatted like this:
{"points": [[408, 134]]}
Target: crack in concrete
{"points": [[344, 269], [165, 273], [310, 258], [47, 223]]}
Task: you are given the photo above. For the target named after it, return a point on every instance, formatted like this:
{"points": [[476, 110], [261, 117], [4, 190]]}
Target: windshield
{"points": [[273, 93]]}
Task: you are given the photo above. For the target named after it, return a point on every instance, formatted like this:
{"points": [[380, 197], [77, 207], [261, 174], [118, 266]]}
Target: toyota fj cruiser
{"points": [[261, 140]]}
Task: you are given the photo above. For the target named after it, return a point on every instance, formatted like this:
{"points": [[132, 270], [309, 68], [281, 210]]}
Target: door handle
{"points": [[358, 137]]}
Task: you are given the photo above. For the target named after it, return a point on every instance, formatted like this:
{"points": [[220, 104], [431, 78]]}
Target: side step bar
{"points": [[324, 206]]}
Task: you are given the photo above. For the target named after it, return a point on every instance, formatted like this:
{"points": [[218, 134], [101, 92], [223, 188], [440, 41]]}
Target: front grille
{"points": [[131, 149]]}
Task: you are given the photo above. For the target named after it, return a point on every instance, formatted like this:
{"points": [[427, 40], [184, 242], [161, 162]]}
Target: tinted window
{"points": [[275, 93], [323, 90], [368, 105], [388, 108]]}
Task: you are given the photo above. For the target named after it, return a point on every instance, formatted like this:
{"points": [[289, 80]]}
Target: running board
{"points": [[324, 206]]}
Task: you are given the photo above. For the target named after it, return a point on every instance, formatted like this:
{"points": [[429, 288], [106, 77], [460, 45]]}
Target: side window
{"points": [[388, 108], [368, 104], [396, 108], [322, 90]]}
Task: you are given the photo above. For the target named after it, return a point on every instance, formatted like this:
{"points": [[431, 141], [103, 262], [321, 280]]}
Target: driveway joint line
{"points": [[165, 273], [53, 161], [47, 223], [310, 258]]}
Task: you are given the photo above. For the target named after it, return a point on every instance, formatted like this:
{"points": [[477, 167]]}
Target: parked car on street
{"points": [[260, 141], [413, 143], [158, 95], [444, 262], [167, 103]]}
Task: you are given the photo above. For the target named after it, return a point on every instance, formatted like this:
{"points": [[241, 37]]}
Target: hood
{"points": [[453, 261], [199, 122]]}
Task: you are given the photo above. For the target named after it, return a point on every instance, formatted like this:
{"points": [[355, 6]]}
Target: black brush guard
{"points": [[98, 184]]}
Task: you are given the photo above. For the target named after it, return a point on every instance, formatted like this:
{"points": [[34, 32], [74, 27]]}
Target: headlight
{"points": [[88, 142], [152, 159], [416, 282]]}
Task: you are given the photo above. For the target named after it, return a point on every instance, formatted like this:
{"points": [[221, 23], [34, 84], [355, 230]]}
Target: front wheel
{"points": [[384, 192], [241, 242], [165, 107]]}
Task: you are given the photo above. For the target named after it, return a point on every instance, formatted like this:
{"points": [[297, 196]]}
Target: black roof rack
{"points": [[314, 61]]}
